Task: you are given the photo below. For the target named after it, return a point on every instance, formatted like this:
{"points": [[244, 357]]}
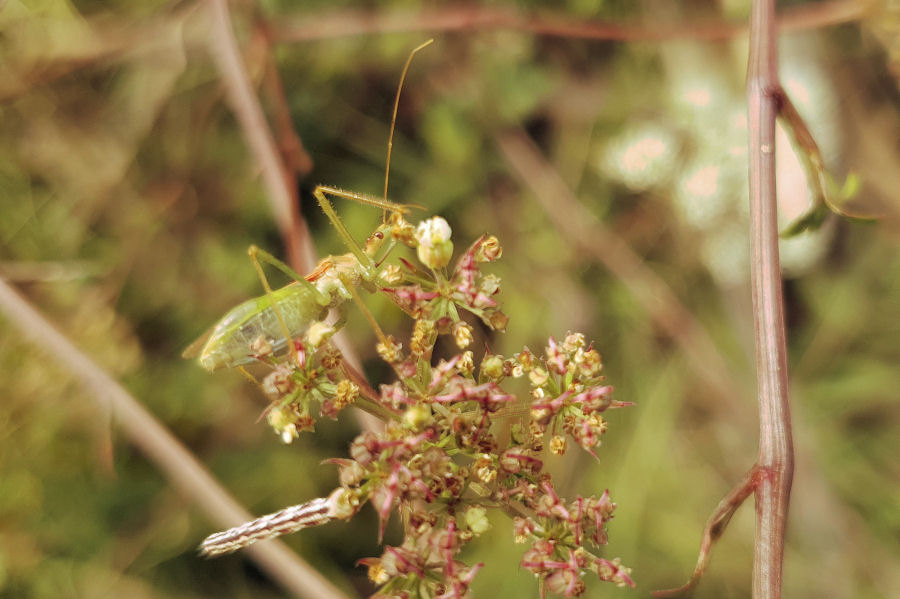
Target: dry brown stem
{"points": [[161, 448], [603, 244], [277, 177], [298, 163], [347, 23], [281, 195], [770, 478], [775, 461]]}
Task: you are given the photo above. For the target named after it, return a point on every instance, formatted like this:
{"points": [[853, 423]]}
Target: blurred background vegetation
{"points": [[128, 197]]}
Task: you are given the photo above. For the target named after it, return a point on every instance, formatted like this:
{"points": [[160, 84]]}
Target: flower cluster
{"points": [[467, 288], [457, 441], [427, 553], [568, 393], [296, 384]]}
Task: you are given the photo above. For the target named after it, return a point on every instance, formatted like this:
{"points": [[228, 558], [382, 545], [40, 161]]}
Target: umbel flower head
{"points": [[463, 438]]}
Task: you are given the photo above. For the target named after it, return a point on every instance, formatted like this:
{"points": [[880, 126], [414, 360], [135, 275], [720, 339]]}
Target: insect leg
{"points": [[261, 255], [366, 199], [367, 313], [366, 262]]}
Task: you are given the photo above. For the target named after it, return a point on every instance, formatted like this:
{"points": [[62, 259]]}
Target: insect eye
{"points": [[378, 235]]}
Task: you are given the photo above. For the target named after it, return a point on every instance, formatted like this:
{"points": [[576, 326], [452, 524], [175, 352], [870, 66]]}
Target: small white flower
{"points": [[391, 275], [317, 333], [433, 231], [477, 520], [435, 248], [289, 433], [462, 334], [342, 503]]}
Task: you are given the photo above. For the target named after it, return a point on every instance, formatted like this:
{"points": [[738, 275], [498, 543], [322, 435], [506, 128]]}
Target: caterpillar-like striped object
{"points": [[288, 520]]}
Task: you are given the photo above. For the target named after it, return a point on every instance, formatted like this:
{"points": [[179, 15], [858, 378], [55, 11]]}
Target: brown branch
{"points": [[347, 23], [772, 475], [281, 195], [294, 156], [161, 448], [595, 239], [776, 452]]}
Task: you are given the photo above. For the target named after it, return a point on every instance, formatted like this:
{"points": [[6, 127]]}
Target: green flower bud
{"points": [[477, 521], [462, 334], [492, 367], [317, 333], [466, 363], [415, 417], [343, 503]]}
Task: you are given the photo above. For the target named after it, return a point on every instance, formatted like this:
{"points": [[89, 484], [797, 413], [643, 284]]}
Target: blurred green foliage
{"points": [[128, 198]]}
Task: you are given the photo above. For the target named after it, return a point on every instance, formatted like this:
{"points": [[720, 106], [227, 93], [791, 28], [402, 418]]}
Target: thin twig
{"points": [[282, 196], [604, 245], [225, 53], [298, 163], [715, 527], [773, 473], [45, 271], [161, 447], [347, 23], [776, 450]]}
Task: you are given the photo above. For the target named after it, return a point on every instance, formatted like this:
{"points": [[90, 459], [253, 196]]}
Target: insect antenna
{"points": [[390, 144]]}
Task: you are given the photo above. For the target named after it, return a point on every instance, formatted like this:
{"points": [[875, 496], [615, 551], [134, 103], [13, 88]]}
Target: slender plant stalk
{"points": [[297, 161], [282, 199], [715, 528], [770, 477], [161, 448], [775, 462], [277, 176], [344, 23], [602, 243]]}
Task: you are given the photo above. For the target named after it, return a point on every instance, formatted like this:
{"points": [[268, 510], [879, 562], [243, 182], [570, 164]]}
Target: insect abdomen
{"points": [[230, 342]]}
